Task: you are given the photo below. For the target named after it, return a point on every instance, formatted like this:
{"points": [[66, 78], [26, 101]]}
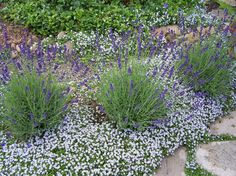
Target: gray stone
{"points": [[218, 158], [173, 165], [14, 54], [69, 46], [225, 125], [61, 35], [18, 48], [219, 13]]}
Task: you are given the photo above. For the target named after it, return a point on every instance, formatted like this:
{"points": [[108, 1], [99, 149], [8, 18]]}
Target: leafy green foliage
{"points": [[5, 54], [130, 97], [33, 103], [199, 171], [47, 17], [205, 67]]}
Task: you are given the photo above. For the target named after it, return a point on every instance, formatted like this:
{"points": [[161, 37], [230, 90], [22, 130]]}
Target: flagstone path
{"points": [[173, 165], [218, 158]]}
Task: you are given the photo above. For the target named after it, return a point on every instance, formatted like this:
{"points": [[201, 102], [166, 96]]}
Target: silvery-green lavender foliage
{"points": [[130, 97], [34, 96], [205, 66], [33, 103]]}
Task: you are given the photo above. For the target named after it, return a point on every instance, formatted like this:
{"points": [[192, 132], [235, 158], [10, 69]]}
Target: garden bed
{"points": [[133, 99]]}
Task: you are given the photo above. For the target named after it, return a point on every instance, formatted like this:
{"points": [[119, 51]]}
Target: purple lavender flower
{"points": [[44, 90], [218, 45], [111, 87], [174, 85], [129, 71], [189, 69], [45, 115], [131, 87], [152, 51], [201, 82], [55, 66], [165, 6], [74, 101], [18, 66], [35, 124], [136, 125], [68, 89], [31, 116], [4, 29], [119, 63], [65, 107], [49, 94], [126, 120], [111, 35], [162, 95], [3, 144], [27, 88], [154, 72], [139, 41], [8, 134], [171, 72], [85, 71], [184, 64], [189, 117], [29, 145], [101, 109], [165, 71]]}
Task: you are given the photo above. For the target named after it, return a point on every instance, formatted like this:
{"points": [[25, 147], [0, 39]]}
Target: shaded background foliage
{"points": [[47, 17]]}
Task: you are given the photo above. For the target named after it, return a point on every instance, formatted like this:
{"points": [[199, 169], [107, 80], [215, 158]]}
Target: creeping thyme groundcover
{"points": [[79, 145]]}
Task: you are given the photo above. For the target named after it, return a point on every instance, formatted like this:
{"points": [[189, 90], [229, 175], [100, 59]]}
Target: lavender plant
{"points": [[130, 97], [33, 103], [205, 66]]}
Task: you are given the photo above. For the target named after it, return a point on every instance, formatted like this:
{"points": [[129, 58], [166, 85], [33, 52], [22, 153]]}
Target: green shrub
{"points": [[48, 17], [130, 97], [206, 68], [33, 103]]}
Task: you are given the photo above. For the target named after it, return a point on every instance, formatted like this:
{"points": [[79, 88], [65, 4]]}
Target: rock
{"points": [[69, 46], [173, 165], [172, 30], [218, 158], [226, 125], [18, 48], [192, 37], [34, 47], [14, 54], [13, 45], [230, 2], [211, 5], [195, 36], [206, 30], [61, 34], [219, 13]]}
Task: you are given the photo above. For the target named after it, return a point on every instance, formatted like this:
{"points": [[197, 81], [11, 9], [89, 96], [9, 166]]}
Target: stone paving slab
{"points": [[173, 165], [225, 125], [218, 158]]}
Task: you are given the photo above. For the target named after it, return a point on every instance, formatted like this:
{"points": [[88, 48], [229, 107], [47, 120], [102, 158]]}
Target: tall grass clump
{"points": [[130, 97], [33, 102], [205, 66]]}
